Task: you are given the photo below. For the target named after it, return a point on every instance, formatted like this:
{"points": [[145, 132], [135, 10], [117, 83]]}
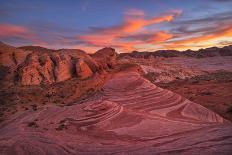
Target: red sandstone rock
{"points": [[63, 67], [106, 57], [129, 116], [29, 73], [82, 69]]}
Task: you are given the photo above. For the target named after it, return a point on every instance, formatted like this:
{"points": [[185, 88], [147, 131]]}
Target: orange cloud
{"points": [[133, 25], [112, 36], [160, 37], [226, 32]]}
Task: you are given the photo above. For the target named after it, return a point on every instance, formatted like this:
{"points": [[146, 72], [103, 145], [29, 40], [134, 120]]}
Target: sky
{"points": [[126, 25]]}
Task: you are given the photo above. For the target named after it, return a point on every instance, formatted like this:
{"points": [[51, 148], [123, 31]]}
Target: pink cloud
{"points": [[9, 30], [20, 32]]}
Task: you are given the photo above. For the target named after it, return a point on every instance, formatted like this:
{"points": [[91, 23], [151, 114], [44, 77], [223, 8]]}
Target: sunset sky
{"points": [[127, 25]]}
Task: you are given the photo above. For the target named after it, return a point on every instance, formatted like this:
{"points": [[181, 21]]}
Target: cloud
{"points": [[200, 32], [205, 40], [150, 37], [19, 33], [9, 30], [206, 25], [131, 32], [225, 43], [137, 31]]}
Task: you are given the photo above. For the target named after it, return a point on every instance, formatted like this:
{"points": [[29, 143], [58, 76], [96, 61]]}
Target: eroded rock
{"points": [[82, 69]]}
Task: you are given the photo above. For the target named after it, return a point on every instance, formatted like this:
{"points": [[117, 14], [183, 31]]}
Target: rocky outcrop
{"points": [[64, 67], [106, 58], [36, 70], [82, 69], [56, 67], [31, 65], [29, 73]]}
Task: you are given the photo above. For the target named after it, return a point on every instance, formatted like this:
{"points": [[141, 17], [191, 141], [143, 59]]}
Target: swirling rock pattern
{"points": [[129, 116]]}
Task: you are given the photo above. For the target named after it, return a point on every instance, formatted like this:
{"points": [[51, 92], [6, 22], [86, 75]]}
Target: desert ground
{"points": [[70, 102]]}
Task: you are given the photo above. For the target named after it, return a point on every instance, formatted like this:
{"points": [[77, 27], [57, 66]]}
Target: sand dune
{"points": [[129, 116]]}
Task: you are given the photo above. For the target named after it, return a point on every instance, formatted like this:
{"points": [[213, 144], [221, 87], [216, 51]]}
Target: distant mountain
{"points": [[202, 53]]}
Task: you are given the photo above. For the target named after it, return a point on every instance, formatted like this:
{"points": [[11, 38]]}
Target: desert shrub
{"points": [[32, 124], [229, 110], [34, 107]]}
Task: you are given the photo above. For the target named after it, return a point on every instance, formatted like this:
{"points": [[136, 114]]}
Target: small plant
{"points": [[34, 107], [229, 110], [32, 124]]}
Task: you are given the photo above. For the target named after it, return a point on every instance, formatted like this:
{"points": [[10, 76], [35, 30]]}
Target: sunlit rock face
{"points": [[106, 58], [36, 70], [82, 69], [34, 65], [129, 116], [42, 66]]}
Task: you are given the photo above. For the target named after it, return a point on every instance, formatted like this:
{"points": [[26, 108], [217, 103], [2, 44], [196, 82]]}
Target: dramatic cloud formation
{"points": [[128, 26], [130, 33]]}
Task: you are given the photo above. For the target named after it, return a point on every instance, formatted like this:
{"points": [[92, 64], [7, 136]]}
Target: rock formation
{"points": [[34, 65], [64, 67], [82, 69], [106, 57], [129, 116]]}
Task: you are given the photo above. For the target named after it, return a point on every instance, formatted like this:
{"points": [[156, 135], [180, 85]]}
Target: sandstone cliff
{"points": [[35, 66]]}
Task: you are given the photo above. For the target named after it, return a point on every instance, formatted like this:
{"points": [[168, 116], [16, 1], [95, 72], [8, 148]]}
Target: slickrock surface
{"points": [[129, 116]]}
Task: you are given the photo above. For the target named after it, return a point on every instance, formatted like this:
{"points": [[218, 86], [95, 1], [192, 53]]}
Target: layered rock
{"points": [[129, 116]]}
